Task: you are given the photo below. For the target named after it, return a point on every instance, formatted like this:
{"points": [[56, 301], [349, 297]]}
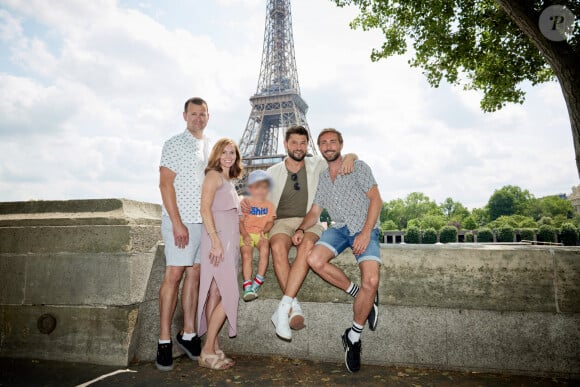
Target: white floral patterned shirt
{"points": [[187, 157]]}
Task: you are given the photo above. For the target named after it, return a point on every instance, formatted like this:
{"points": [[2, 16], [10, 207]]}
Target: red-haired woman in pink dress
{"points": [[220, 252]]}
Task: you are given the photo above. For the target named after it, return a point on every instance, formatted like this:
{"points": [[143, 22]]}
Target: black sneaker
{"points": [[164, 360], [351, 353], [373, 318], [192, 348]]}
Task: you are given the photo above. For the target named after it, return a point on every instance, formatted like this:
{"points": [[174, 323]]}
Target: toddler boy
{"points": [[254, 228]]}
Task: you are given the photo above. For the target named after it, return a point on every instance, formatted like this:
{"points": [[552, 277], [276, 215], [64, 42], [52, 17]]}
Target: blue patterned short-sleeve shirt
{"points": [[345, 199], [187, 157]]}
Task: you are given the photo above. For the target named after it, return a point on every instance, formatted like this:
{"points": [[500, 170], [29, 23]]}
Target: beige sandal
{"points": [[213, 362], [223, 357]]}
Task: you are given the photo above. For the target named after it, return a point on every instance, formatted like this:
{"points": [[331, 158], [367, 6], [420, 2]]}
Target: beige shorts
{"points": [[288, 227]]}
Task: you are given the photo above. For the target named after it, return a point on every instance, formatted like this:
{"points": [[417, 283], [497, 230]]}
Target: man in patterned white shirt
{"points": [[354, 204], [182, 167]]}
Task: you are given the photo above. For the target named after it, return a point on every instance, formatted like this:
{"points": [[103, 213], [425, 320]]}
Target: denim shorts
{"points": [[338, 239]]}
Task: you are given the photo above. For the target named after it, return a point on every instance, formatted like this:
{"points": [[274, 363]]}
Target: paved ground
{"points": [[252, 371]]}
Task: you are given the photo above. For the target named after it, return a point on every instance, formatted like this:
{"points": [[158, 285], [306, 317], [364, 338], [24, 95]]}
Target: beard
{"points": [[332, 157], [296, 158]]}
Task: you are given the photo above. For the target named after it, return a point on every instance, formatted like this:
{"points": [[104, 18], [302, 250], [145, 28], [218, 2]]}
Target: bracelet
{"points": [[212, 232], [301, 229]]}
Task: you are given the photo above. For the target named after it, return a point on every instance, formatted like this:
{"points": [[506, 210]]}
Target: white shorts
{"points": [[188, 256]]}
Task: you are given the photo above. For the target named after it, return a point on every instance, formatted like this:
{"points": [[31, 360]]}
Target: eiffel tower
{"points": [[277, 103]]}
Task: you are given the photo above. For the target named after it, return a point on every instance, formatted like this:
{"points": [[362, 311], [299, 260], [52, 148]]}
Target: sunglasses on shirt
{"points": [[294, 177]]}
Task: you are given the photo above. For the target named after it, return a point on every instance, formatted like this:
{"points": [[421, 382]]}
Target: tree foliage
{"points": [[453, 210], [509, 200], [486, 45], [389, 225], [473, 43]]}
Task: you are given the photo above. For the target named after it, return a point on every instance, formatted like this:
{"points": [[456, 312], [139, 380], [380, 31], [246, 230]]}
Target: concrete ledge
{"points": [[82, 334], [502, 278], [479, 340]]}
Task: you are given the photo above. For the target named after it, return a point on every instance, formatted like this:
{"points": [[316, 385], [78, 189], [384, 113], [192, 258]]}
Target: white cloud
{"points": [[91, 90]]}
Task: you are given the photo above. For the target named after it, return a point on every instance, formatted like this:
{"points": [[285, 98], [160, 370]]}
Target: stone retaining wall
{"points": [[96, 265]]}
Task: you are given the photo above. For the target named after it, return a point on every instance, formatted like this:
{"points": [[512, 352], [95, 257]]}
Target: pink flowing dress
{"points": [[226, 214]]}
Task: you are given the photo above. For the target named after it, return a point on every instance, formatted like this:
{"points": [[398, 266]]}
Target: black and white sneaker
{"points": [[164, 360], [373, 318], [192, 348], [351, 353]]}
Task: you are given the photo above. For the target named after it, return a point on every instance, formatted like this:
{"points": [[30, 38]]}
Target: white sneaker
{"points": [[281, 322], [297, 316]]}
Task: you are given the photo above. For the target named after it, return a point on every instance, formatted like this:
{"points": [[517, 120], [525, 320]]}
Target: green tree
{"points": [[509, 200], [469, 223], [389, 225], [491, 46], [414, 206], [481, 216], [418, 205], [453, 210], [554, 205], [433, 221], [394, 210]]}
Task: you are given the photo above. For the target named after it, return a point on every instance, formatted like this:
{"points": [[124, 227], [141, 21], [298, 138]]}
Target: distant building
{"points": [[575, 198]]}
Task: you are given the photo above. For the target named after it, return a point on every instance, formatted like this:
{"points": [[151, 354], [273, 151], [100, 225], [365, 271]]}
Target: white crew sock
{"points": [[355, 331], [164, 341], [188, 336], [287, 300], [353, 289]]}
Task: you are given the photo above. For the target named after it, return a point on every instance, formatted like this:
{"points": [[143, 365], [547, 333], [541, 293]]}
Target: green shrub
{"points": [[527, 234], [469, 237], [412, 235], [389, 225], [484, 234], [528, 223], [429, 236], [546, 233], [545, 220], [448, 234], [569, 234], [505, 234]]}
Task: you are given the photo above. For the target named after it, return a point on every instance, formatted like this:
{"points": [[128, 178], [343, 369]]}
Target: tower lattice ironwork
{"points": [[277, 103]]}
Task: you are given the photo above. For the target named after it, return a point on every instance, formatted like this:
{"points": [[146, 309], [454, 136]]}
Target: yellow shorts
{"points": [[288, 227], [255, 239]]}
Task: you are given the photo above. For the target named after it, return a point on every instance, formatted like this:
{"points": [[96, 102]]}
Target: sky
{"points": [[89, 90]]}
